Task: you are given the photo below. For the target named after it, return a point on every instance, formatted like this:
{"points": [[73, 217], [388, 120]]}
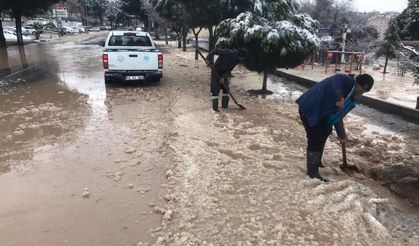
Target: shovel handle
{"points": [[342, 128]]}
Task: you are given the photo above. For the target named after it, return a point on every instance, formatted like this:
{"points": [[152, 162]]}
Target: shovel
{"points": [[345, 166], [218, 77]]}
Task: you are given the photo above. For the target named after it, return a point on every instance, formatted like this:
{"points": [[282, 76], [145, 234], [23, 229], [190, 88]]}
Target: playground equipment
{"points": [[312, 61], [339, 54]]}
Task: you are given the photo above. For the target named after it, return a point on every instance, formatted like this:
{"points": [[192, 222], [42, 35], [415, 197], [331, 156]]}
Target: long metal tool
{"points": [[343, 132], [218, 77]]}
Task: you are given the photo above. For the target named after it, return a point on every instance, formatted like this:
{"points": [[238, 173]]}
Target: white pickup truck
{"points": [[131, 56]]}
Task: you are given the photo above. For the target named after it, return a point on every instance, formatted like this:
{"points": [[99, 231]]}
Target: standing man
{"points": [[225, 63], [318, 108]]}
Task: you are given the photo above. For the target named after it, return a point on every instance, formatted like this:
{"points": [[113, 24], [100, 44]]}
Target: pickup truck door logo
{"points": [[146, 58], [120, 58]]}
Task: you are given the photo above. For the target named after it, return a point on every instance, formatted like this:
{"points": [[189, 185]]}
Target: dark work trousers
{"points": [[216, 86], [317, 135]]}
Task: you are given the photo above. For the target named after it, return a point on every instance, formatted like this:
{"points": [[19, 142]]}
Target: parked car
{"points": [[10, 28], [94, 29], [79, 29], [105, 28], [28, 30], [11, 37], [131, 55], [68, 30], [9, 32]]}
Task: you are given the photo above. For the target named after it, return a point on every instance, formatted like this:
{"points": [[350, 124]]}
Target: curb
{"points": [[409, 114]]}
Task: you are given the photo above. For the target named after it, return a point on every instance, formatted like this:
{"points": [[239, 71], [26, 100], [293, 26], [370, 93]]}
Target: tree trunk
{"points": [[2, 38], [184, 36], [156, 31], [85, 20], [417, 103], [265, 81], [385, 65], [101, 17], [4, 62], [18, 19], [211, 41], [22, 55], [196, 41], [166, 39], [179, 39], [196, 46]]}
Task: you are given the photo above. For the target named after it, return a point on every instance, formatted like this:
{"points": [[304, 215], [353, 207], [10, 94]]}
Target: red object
{"points": [[105, 59], [329, 55], [160, 61], [59, 7]]}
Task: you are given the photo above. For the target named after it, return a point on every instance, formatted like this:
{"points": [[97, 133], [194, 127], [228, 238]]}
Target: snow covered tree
{"points": [[408, 21], [275, 35], [329, 13], [391, 41]]}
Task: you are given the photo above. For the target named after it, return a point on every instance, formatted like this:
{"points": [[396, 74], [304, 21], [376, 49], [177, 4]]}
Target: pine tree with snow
{"points": [[275, 35], [388, 48]]}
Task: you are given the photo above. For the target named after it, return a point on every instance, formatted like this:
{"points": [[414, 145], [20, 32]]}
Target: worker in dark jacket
{"points": [[225, 63], [318, 108]]}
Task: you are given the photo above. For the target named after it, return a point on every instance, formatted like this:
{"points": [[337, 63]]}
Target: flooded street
{"points": [[70, 160], [84, 163]]}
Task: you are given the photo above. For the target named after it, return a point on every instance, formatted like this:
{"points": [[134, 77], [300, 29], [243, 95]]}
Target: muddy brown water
{"points": [[70, 169]]}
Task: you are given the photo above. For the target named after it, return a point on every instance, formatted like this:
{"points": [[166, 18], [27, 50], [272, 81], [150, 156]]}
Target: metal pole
{"points": [[327, 61], [362, 61], [312, 59]]}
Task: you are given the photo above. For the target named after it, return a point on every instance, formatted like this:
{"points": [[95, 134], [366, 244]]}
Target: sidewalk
{"points": [[389, 87]]}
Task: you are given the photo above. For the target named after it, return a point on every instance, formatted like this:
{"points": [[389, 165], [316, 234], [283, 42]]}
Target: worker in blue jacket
{"points": [[319, 107]]}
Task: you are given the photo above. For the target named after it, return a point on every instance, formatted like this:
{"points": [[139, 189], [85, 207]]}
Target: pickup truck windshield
{"points": [[129, 41]]}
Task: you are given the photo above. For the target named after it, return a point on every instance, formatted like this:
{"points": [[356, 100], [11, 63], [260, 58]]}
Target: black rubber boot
{"points": [[313, 165], [215, 105], [224, 101]]}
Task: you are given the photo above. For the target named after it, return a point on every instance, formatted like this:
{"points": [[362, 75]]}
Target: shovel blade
{"points": [[354, 168]]}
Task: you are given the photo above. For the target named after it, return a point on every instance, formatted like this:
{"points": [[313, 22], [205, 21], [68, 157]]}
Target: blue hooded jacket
{"points": [[319, 102]]}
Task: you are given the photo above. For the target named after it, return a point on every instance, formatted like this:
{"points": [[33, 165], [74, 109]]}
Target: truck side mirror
{"points": [[102, 43]]}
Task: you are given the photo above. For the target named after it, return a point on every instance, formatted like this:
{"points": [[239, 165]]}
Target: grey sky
{"points": [[380, 5]]}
